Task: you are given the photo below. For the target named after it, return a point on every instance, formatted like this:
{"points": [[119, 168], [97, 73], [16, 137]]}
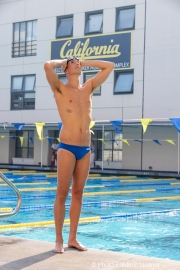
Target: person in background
{"points": [[54, 148]]}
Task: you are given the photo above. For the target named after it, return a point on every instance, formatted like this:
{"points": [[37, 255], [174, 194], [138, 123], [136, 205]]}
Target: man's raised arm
{"points": [[51, 75], [105, 69]]}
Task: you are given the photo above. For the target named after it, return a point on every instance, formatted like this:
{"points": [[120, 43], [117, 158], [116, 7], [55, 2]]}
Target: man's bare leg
{"points": [[79, 180], [66, 164]]}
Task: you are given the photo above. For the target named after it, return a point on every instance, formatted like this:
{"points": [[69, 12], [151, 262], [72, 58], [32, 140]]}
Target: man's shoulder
{"points": [[88, 84]]}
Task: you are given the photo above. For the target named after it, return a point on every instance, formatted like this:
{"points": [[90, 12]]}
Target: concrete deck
{"points": [[17, 254]]}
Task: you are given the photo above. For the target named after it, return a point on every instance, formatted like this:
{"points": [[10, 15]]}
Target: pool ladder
{"points": [[14, 188]]}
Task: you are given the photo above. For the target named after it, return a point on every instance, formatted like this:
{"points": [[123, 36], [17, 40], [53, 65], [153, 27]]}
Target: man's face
{"points": [[73, 66]]}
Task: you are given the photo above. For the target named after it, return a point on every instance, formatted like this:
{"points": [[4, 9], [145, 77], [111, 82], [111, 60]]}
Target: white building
{"points": [[141, 37]]}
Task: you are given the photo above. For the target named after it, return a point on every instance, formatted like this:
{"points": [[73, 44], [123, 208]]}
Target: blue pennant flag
{"points": [[115, 125], [49, 140], [138, 141], [115, 141], [13, 137], [19, 126], [176, 123], [156, 141], [60, 125], [31, 139]]}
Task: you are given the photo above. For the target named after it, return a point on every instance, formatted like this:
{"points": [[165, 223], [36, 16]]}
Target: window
{"points": [[27, 148], [24, 39], [112, 147], [125, 18], [94, 22], [23, 92], [63, 78], [124, 82], [87, 76], [64, 26]]}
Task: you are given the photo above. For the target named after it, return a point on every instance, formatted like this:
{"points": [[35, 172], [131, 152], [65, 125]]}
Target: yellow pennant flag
{"points": [[92, 124], [39, 127], [21, 140], [102, 140], [41, 139], [2, 137], [145, 122], [125, 141], [170, 141], [58, 139]]}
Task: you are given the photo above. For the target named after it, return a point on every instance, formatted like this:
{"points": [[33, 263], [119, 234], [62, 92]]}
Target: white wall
{"points": [[115, 106], [162, 95], [160, 88]]}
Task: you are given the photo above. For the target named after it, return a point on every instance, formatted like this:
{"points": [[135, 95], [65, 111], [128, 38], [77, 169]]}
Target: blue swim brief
{"points": [[78, 151]]}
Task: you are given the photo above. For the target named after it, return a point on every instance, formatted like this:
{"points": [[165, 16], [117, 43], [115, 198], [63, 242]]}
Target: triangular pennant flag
{"points": [[58, 139], [102, 140], [2, 137], [49, 140], [13, 137], [115, 141], [21, 140], [19, 126], [176, 123], [138, 141], [31, 139], [156, 141], [116, 124], [60, 125], [125, 141], [41, 139], [92, 124], [145, 122], [170, 141], [39, 127]]}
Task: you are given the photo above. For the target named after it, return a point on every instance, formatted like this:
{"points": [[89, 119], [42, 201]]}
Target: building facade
{"points": [[139, 36]]}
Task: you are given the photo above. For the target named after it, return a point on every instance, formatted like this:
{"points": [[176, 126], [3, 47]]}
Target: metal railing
{"points": [[14, 188]]}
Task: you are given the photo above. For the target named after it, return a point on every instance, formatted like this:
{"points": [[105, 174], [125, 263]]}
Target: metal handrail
{"points": [[14, 188]]}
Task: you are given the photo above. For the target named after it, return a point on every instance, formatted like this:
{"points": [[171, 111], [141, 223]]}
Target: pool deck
{"points": [[18, 253]]}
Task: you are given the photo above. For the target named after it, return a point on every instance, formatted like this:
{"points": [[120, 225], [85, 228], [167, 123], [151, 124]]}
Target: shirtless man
{"points": [[74, 103]]}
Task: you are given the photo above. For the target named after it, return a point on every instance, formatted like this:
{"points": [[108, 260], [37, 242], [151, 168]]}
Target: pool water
{"points": [[156, 235]]}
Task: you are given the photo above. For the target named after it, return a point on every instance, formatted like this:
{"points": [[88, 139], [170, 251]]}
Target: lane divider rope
{"points": [[91, 219]]}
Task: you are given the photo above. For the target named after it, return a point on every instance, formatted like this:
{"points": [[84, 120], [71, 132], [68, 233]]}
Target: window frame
{"points": [[116, 73], [25, 50], [111, 149], [117, 13], [62, 76], [87, 18], [18, 134], [64, 17], [84, 76], [22, 91]]}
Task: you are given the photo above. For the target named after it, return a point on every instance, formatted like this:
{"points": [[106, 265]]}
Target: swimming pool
{"points": [[125, 214]]}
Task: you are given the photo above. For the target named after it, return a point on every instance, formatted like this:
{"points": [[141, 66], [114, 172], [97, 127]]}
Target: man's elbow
{"points": [[46, 65], [112, 65]]}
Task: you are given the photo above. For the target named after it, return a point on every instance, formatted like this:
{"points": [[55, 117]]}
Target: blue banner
{"points": [[115, 47]]}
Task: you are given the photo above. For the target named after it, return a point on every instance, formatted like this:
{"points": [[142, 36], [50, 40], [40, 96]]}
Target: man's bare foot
{"points": [[58, 248], [77, 245]]}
